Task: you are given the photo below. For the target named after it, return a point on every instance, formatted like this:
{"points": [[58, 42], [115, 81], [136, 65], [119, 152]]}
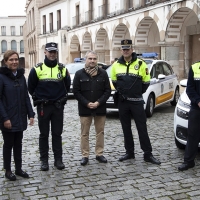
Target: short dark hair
{"points": [[92, 52], [9, 53]]}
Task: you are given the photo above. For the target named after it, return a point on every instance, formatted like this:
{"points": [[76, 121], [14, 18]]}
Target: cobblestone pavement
{"points": [[132, 179]]}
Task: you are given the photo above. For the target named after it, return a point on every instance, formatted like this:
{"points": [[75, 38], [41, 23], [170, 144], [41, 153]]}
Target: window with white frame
{"points": [[21, 46], [21, 30], [13, 45], [12, 30], [3, 46], [3, 30]]}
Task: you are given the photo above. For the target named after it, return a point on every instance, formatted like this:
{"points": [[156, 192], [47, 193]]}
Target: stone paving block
{"points": [[66, 197], [114, 197], [29, 189], [32, 193], [194, 193], [4, 197], [179, 196], [34, 197]]}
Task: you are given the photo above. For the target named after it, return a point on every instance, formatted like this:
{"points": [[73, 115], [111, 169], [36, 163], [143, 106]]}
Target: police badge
{"points": [[59, 75], [136, 67]]}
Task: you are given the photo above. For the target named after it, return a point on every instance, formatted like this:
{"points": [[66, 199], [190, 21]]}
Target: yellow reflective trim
{"points": [[111, 85], [163, 98]]}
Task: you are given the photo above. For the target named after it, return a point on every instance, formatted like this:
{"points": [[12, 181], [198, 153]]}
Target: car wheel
{"points": [[179, 145], [176, 97], [150, 106]]}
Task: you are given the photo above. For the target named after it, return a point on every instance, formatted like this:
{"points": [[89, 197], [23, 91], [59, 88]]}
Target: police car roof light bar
{"points": [[150, 55]]}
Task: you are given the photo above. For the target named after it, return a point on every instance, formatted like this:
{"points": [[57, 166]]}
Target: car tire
{"points": [[179, 145], [150, 106], [176, 97]]}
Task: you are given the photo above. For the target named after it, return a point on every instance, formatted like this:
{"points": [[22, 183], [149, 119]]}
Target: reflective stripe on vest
{"points": [[50, 74]]}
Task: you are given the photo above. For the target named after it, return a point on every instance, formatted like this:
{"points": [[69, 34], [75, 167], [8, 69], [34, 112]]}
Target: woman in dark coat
{"points": [[15, 106]]}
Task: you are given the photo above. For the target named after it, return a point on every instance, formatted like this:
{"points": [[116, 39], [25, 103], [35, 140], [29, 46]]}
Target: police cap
{"points": [[51, 46], [126, 44]]}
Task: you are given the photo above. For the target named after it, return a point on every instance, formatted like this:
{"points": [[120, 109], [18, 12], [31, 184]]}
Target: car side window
{"points": [[152, 73], [167, 69], [158, 69]]}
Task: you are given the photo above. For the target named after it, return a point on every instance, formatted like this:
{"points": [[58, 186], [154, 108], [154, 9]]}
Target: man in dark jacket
{"points": [[131, 78], [49, 83], [91, 87], [193, 139]]}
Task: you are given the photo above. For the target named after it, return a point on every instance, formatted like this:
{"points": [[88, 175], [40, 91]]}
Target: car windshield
{"points": [[73, 67]]}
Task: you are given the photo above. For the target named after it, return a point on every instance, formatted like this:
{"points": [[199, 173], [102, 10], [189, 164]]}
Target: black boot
{"points": [[59, 164], [44, 165]]}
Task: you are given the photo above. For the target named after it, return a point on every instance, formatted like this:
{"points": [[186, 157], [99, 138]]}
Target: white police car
{"points": [[79, 63], [181, 118], [163, 87], [72, 69]]}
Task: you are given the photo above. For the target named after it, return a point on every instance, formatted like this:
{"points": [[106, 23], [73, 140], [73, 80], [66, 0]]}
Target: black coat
{"points": [[91, 89], [14, 100]]}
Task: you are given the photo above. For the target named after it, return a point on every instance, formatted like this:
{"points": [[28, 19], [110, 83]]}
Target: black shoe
{"points": [[186, 166], [44, 165], [84, 161], [59, 164], [10, 176], [101, 159], [126, 157], [21, 173], [152, 160]]}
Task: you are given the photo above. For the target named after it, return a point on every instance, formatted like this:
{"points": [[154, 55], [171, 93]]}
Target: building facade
{"points": [[11, 36], [169, 27]]}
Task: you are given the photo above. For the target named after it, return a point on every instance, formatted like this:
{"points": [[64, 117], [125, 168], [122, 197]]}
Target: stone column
{"points": [[188, 60]]}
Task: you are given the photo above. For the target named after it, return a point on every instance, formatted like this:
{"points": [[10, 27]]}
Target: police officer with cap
{"points": [[49, 83], [193, 138], [131, 79]]}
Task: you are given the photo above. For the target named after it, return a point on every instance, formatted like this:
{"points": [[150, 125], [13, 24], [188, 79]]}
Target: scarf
{"points": [[50, 63], [91, 71]]}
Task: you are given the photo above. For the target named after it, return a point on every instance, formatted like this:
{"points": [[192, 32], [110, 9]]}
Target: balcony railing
{"points": [[89, 15], [12, 32], [3, 33], [58, 25], [76, 21], [51, 27], [44, 29], [103, 12]]}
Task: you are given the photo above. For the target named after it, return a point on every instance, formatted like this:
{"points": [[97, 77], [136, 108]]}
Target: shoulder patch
{"points": [[61, 65], [39, 65]]}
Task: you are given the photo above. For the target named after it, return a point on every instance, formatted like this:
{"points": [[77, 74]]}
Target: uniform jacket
{"points": [[46, 83], [193, 85], [91, 89], [130, 79], [14, 100]]}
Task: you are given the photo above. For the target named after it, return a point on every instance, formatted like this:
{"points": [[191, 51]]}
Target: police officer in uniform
{"points": [[131, 79], [193, 92], [49, 83]]}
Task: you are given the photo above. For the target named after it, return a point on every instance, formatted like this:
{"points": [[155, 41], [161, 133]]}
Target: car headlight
{"points": [[182, 113], [183, 104]]}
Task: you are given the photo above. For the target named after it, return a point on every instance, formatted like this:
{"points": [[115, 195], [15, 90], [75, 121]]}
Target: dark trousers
{"points": [[193, 138], [12, 140], [51, 116], [127, 110]]}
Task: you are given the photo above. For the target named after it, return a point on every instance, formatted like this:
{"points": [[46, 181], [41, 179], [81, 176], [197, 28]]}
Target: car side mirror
{"points": [[183, 82], [161, 76]]}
